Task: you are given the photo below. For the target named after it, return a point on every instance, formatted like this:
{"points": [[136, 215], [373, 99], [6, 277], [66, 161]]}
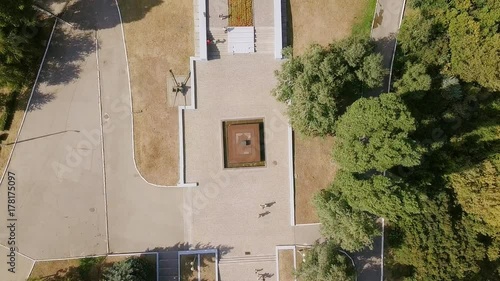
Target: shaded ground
{"points": [[162, 40], [21, 100], [368, 262], [314, 170], [385, 28], [207, 272]]}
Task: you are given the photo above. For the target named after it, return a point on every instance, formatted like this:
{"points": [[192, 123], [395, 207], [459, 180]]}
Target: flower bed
{"points": [[240, 12]]}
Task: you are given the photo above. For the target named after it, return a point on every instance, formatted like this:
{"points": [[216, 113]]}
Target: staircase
{"points": [[264, 40], [247, 259], [168, 265], [220, 49]]}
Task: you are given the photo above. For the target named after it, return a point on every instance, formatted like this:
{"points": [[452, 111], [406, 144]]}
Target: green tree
{"points": [[351, 229], [19, 45], [436, 245], [420, 40], [324, 262], [478, 190], [415, 79], [317, 85], [474, 55], [89, 267], [131, 269], [373, 134], [377, 194]]}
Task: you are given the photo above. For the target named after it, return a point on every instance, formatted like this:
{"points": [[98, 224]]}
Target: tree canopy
{"points": [[131, 269], [377, 194], [318, 85], [325, 262], [426, 158], [349, 228], [19, 44], [373, 134]]}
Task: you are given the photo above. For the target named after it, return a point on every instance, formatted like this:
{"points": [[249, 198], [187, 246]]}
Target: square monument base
{"points": [[244, 143]]}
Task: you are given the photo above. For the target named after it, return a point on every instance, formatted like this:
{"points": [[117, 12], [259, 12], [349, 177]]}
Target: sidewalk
{"points": [[388, 15]]}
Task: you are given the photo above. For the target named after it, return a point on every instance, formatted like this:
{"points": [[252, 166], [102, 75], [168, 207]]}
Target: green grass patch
{"points": [[240, 12], [364, 24]]}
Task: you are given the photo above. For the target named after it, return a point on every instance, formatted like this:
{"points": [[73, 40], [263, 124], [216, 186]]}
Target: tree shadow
{"points": [[368, 261], [53, 6], [68, 50], [458, 135], [66, 56], [385, 47], [99, 14], [188, 263], [185, 246], [71, 273]]}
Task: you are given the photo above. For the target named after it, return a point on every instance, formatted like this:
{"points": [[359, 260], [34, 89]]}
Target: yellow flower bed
{"points": [[240, 12]]}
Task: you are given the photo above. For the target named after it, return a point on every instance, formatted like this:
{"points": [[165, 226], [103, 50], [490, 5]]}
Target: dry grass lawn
{"points": [[64, 268], [157, 41], [323, 21], [286, 266], [240, 12], [314, 170], [318, 21], [68, 269]]}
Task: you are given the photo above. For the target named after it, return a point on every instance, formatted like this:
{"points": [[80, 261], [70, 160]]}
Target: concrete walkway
{"points": [[140, 216], [78, 192], [388, 15]]}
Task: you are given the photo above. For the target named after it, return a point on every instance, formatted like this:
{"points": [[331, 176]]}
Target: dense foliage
{"points": [[427, 157], [373, 135], [325, 262], [131, 269], [19, 42], [318, 85], [349, 228]]}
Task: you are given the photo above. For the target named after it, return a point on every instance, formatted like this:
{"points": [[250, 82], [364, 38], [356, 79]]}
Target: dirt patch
{"points": [[286, 265], [322, 21], [161, 40], [314, 170]]}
